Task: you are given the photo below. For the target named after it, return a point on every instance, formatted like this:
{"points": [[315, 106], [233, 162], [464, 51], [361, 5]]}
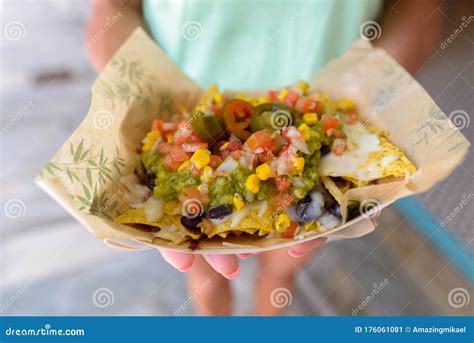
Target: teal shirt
{"points": [[244, 44]]}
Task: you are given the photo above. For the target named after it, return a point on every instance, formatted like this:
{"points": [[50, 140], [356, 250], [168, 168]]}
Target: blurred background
{"points": [[418, 261]]}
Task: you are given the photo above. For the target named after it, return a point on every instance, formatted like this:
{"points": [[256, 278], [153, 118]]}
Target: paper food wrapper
{"points": [[140, 84]]}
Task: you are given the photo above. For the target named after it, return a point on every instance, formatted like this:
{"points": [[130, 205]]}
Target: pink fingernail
{"points": [[295, 253], [233, 275], [243, 256]]}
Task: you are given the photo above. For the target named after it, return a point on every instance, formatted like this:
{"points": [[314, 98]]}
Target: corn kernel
{"points": [[241, 97], [253, 183], [263, 171], [238, 202], [263, 100], [283, 94], [218, 97], [305, 131], [170, 139], [299, 164], [310, 118], [184, 165], [304, 86], [224, 146], [314, 225], [201, 158], [282, 223], [206, 174], [345, 104], [150, 140]]}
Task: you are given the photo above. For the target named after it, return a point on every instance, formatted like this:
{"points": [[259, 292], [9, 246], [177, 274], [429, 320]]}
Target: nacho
{"points": [[273, 166]]}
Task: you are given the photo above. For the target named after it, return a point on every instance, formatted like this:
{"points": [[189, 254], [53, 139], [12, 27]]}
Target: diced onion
{"points": [[261, 206], [300, 144], [238, 216], [153, 209], [218, 221], [228, 165]]}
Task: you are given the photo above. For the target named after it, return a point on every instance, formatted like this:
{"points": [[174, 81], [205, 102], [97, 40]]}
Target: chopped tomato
{"points": [[262, 139], [282, 201], [273, 96], [352, 117], [192, 147], [290, 231], [282, 183], [339, 146], [291, 98], [170, 163], [265, 156], [307, 105], [215, 161], [178, 154], [163, 148], [236, 154], [216, 109], [236, 115], [163, 127], [329, 122], [195, 194], [336, 132], [233, 145]]}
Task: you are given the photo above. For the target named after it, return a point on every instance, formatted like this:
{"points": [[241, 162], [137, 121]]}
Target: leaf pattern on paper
{"points": [[89, 169], [130, 84]]}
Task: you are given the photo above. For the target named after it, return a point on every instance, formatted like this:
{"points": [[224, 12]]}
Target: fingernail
{"points": [[185, 269], [295, 253], [233, 275], [243, 256]]}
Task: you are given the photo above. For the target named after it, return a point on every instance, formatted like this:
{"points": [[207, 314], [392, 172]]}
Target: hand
{"points": [[227, 265]]}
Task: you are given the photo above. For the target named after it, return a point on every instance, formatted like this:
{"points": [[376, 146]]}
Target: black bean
{"points": [[335, 210], [219, 211], [191, 223], [325, 149], [150, 178]]}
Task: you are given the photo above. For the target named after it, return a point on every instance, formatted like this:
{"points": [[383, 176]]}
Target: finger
{"points": [[227, 265], [243, 256], [180, 260], [302, 249]]}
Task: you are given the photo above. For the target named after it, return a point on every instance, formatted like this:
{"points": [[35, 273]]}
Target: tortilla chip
{"points": [[332, 188], [251, 224], [168, 227]]}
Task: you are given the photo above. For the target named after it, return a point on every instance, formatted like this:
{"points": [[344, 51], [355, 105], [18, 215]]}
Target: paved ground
{"points": [[52, 266]]}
